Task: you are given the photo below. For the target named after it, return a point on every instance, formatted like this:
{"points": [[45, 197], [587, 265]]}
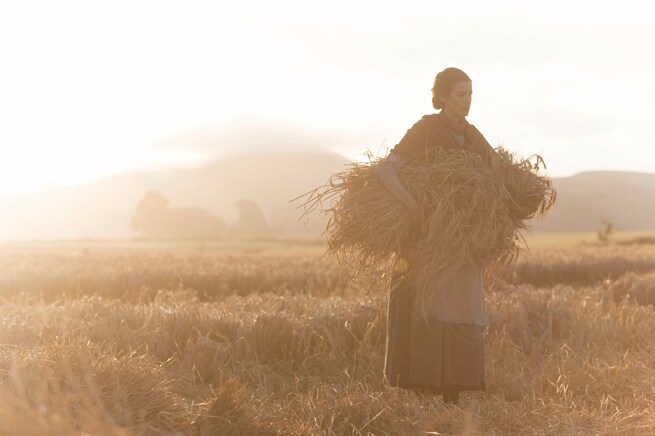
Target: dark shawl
{"points": [[431, 131]]}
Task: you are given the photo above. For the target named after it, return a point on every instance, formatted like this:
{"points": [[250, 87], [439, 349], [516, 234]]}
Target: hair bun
{"points": [[436, 102]]}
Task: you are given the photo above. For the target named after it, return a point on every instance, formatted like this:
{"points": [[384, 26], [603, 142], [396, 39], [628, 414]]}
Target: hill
{"points": [[103, 209], [626, 199]]}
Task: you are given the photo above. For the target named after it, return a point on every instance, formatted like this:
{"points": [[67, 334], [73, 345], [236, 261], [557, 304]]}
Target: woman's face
{"points": [[458, 102]]}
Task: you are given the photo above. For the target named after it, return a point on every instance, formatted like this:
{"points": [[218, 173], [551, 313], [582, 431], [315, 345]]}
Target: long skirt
{"points": [[431, 355]]}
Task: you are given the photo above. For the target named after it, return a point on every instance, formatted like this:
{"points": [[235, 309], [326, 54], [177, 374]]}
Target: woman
{"points": [[435, 343]]}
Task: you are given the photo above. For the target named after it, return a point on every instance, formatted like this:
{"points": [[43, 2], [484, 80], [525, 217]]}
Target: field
{"points": [[145, 338]]}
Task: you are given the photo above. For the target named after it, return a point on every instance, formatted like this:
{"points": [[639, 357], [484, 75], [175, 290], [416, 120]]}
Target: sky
{"points": [[89, 89]]}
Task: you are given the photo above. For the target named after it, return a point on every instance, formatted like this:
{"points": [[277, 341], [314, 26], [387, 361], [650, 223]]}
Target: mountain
{"points": [[104, 208], [626, 199]]}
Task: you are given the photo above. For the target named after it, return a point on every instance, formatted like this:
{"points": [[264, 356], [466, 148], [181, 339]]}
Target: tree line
{"points": [[154, 218]]}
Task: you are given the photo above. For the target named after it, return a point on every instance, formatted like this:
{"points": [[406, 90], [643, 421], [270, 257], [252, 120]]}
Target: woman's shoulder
{"points": [[478, 140], [425, 124], [414, 140], [473, 129], [475, 133], [429, 119]]}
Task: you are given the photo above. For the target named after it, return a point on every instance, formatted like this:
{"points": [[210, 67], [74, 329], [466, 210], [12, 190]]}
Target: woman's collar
{"points": [[453, 125]]}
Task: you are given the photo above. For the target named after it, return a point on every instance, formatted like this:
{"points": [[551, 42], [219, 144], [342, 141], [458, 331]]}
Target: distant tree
{"points": [[605, 233], [251, 221], [149, 217], [153, 218]]}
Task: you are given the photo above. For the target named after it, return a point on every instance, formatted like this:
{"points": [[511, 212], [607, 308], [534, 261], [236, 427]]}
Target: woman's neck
{"points": [[453, 123], [453, 118]]}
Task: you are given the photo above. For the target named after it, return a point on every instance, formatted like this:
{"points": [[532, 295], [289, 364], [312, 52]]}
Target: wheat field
{"points": [[167, 341]]}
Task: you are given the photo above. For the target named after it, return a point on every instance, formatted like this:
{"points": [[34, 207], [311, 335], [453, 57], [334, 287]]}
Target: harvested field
{"points": [[120, 342]]}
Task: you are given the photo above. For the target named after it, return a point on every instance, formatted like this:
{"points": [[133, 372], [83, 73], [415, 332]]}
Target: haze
{"points": [[90, 89], [102, 103]]}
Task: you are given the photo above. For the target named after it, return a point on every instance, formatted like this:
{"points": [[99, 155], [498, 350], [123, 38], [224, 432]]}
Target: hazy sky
{"points": [[89, 88]]}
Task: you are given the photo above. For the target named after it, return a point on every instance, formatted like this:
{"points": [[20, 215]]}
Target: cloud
{"points": [[252, 134]]}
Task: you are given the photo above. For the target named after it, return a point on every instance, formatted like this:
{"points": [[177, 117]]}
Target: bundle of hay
{"points": [[529, 191], [474, 211]]}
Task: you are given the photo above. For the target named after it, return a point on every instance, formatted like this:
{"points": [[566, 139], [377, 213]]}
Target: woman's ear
{"points": [[443, 98]]}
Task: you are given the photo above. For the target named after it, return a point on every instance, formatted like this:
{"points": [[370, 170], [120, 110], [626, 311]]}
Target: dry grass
{"points": [[578, 265], [198, 344]]}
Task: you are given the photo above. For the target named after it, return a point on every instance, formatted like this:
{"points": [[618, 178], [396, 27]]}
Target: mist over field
{"points": [[105, 208]]}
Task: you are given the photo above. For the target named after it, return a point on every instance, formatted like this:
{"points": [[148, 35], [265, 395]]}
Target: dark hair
{"points": [[444, 83]]}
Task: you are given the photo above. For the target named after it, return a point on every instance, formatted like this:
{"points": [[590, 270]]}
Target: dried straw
{"points": [[475, 211]]}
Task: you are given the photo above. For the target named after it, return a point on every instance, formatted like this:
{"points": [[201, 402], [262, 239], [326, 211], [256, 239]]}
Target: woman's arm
{"points": [[387, 172]]}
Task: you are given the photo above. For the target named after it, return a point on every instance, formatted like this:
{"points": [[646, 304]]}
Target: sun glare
{"points": [[82, 100]]}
